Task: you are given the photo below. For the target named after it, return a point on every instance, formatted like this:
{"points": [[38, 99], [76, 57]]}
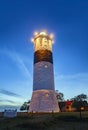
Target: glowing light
{"points": [[32, 40], [53, 42], [46, 66], [43, 33], [35, 33], [47, 94], [51, 35], [82, 108]]}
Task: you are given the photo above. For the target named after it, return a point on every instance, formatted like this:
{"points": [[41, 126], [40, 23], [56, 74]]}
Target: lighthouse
{"points": [[43, 96]]}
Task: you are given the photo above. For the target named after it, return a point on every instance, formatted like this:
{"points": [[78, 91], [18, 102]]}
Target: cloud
{"points": [[9, 93], [72, 85], [6, 100], [22, 66], [10, 98], [76, 82], [18, 61], [77, 76]]}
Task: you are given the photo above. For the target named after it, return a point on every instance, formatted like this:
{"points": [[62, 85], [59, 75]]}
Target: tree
{"points": [[79, 101], [25, 106], [81, 97], [60, 96]]}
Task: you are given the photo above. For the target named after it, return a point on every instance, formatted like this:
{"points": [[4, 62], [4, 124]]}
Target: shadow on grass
{"points": [[61, 121], [71, 119], [32, 126]]}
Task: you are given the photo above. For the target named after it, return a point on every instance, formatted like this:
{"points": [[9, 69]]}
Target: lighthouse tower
{"points": [[43, 96]]}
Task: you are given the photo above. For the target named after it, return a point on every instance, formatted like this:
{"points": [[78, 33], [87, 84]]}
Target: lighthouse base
{"points": [[44, 101]]}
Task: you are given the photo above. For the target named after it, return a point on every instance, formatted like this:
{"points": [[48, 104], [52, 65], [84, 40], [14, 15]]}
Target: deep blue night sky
{"points": [[68, 20]]}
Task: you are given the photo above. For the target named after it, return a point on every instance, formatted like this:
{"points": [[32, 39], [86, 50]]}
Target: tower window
{"points": [[46, 66], [47, 95]]}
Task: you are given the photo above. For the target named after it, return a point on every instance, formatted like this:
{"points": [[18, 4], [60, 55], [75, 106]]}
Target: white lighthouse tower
{"points": [[43, 96]]}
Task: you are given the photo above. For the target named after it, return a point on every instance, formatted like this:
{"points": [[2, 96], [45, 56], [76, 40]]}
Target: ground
{"points": [[58, 121]]}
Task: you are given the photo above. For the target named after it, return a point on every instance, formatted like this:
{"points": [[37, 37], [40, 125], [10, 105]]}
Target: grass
{"points": [[40, 121]]}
